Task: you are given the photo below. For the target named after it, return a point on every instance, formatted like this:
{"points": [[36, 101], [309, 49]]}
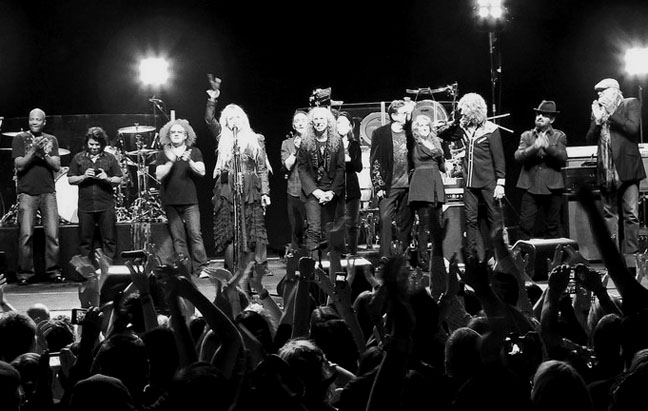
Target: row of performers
{"points": [[322, 160]]}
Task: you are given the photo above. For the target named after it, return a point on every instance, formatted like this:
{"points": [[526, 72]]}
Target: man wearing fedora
{"points": [[614, 127], [542, 153]]}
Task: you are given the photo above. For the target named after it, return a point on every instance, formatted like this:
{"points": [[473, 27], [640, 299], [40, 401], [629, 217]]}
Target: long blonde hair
{"points": [[248, 140]]}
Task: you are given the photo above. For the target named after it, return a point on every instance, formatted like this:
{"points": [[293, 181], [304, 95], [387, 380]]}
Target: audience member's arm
{"points": [[43, 398], [633, 294], [341, 297], [232, 341], [388, 386], [90, 331], [171, 283], [451, 310], [557, 284], [4, 304], [301, 309], [141, 282], [255, 278]]}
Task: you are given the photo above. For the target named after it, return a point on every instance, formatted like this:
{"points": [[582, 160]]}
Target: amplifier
{"points": [[584, 156], [454, 194], [574, 177]]}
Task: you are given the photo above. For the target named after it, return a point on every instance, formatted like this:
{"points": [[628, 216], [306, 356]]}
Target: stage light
{"points": [[154, 71], [636, 60], [490, 15]]}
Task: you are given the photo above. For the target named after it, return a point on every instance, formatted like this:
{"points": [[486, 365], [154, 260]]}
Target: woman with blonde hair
{"points": [[237, 137], [426, 193]]}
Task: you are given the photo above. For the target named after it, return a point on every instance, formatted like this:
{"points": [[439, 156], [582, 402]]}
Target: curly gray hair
{"points": [[166, 129]]}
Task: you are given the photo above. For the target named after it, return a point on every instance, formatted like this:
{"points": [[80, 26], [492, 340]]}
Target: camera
{"points": [[571, 286], [528, 344], [78, 315], [340, 279], [54, 359]]}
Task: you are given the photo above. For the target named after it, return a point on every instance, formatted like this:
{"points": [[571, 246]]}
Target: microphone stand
{"points": [[240, 246], [158, 103]]}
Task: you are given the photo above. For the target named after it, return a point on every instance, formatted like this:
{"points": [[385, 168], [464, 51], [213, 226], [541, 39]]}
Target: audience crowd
{"points": [[475, 335]]}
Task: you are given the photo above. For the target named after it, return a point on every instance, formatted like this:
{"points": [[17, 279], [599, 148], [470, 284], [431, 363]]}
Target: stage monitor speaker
{"points": [[453, 216], [538, 251], [576, 225]]}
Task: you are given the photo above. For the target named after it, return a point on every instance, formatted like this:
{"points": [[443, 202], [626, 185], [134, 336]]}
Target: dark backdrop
{"points": [[80, 57]]}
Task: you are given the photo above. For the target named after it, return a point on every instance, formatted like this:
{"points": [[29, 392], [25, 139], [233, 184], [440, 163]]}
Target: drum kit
{"points": [[135, 149]]}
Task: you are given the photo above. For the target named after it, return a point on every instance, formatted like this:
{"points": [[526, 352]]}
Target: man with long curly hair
{"points": [[178, 165], [483, 165], [320, 161]]}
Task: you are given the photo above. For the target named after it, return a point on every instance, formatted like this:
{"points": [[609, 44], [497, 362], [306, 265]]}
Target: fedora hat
{"points": [[547, 106]]}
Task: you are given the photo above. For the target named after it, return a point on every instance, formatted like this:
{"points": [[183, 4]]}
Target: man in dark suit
{"points": [[542, 153], [390, 166], [615, 127], [320, 163]]}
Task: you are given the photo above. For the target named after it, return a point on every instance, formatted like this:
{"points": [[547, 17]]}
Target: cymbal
{"points": [[145, 151], [136, 129], [11, 133], [62, 151]]}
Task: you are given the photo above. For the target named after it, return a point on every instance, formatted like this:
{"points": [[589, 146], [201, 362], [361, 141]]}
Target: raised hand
{"points": [[574, 256], [477, 274], [589, 278], [139, 278], [559, 279], [83, 266], [558, 258]]}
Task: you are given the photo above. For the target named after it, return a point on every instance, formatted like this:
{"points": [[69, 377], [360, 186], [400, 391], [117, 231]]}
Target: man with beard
{"points": [[542, 152], [614, 127]]}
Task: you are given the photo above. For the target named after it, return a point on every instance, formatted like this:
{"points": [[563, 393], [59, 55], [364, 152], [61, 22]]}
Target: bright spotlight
{"points": [[636, 60], [497, 12], [490, 15], [154, 71]]}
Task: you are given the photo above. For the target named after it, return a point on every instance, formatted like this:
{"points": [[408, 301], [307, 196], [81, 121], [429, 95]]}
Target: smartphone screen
{"points": [[78, 315], [571, 286], [54, 360], [340, 279]]}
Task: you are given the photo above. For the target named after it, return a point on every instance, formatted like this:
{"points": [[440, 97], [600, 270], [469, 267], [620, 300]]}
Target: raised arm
{"points": [[633, 294]]}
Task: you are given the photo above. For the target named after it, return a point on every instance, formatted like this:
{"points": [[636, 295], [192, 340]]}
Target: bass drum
{"points": [[67, 198]]}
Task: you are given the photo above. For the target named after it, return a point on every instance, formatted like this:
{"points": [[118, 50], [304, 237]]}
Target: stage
{"points": [[128, 237]]}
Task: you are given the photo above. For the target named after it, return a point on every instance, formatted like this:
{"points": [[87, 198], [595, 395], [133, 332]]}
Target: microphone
{"points": [[155, 100]]}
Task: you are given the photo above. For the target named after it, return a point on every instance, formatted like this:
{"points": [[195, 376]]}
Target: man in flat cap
{"points": [[542, 152], [615, 128]]}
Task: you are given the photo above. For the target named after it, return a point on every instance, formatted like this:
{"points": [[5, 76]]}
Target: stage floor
{"points": [[61, 298]]}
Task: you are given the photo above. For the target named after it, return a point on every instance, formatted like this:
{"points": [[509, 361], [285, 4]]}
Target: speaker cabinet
{"points": [[453, 216], [538, 250], [576, 225]]}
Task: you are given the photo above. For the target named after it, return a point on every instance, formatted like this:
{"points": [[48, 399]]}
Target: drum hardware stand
{"points": [[144, 208], [11, 217]]}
